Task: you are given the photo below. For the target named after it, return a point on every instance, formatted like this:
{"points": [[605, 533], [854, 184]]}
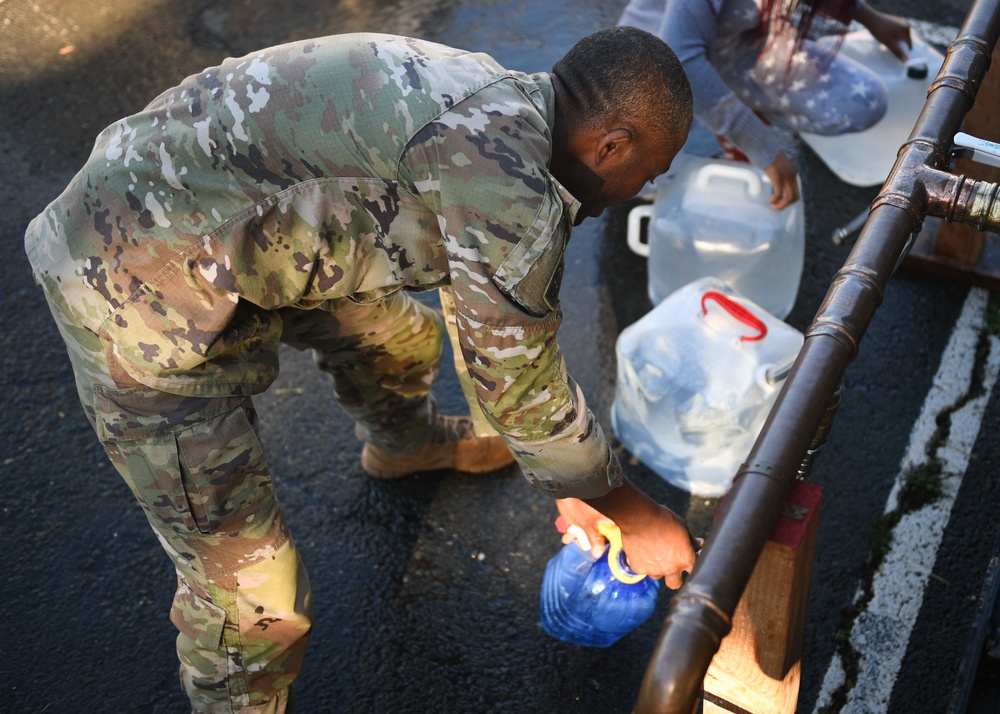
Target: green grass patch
{"points": [[882, 537], [992, 317], [921, 485]]}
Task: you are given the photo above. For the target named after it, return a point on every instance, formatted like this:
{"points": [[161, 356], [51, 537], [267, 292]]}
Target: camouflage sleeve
{"points": [[481, 167]]}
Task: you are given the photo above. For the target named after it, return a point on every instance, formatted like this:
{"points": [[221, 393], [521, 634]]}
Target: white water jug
{"points": [[865, 158], [696, 378], [712, 218]]}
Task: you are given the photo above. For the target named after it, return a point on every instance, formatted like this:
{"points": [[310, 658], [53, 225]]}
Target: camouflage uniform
{"points": [[297, 193]]}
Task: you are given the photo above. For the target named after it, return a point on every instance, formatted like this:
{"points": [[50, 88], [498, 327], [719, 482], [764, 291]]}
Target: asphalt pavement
{"points": [[426, 589]]}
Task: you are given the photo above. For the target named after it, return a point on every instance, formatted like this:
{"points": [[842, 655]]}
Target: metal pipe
{"points": [[700, 614]]}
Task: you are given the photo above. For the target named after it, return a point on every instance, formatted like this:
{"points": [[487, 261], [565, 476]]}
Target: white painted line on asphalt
{"points": [[880, 633]]}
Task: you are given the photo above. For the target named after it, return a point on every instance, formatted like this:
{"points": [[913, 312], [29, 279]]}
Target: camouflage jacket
{"points": [[345, 167]]}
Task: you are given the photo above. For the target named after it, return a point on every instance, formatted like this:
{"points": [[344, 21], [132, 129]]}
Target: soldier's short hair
{"points": [[627, 75]]}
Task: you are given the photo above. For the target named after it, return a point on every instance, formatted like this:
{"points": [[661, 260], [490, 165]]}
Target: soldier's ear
{"points": [[612, 146]]}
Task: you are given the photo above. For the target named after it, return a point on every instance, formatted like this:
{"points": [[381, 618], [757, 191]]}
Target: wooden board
{"points": [[757, 667]]}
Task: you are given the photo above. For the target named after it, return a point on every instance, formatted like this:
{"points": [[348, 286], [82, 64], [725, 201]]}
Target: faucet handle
{"points": [[981, 150]]}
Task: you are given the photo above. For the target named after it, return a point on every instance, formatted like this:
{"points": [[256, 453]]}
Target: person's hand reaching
{"points": [[785, 181], [889, 30]]}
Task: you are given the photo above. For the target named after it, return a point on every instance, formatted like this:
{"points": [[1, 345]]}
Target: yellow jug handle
{"points": [[610, 531]]}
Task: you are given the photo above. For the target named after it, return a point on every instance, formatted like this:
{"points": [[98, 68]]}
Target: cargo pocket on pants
{"points": [[225, 475], [198, 469]]}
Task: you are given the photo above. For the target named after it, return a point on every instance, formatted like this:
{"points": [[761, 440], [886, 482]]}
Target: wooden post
{"points": [[955, 250], [757, 667]]}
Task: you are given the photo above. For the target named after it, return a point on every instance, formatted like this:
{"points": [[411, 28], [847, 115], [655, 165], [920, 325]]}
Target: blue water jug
{"points": [[595, 601]]}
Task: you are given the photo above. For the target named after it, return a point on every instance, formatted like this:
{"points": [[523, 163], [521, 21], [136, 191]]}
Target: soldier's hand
{"points": [[577, 513], [656, 541], [661, 548]]}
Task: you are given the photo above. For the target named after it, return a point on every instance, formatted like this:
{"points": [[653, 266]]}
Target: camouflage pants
{"points": [[196, 466]]}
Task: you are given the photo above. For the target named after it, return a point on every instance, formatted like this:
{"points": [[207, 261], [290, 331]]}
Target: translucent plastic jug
{"points": [[712, 218], [594, 601], [696, 378], [865, 158]]}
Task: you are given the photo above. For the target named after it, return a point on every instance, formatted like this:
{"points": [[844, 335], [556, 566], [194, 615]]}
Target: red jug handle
{"points": [[737, 311]]}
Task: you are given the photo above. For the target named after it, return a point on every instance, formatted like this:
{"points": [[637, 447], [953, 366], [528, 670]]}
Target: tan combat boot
{"points": [[453, 446]]}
